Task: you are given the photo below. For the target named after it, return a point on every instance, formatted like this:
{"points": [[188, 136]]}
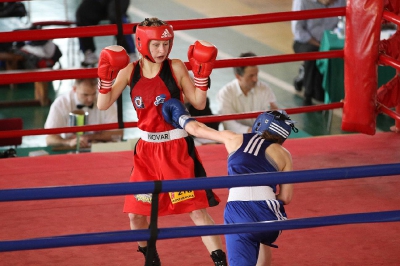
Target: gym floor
{"points": [[263, 39]]}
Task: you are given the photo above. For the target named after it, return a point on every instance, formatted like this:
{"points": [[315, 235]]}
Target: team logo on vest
{"points": [[160, 99], [166, 34], [138, 102]]}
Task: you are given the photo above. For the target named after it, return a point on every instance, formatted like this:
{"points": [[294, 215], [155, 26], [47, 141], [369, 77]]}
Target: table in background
{"points": [[41, 151], [124, 145], [333, 69]]}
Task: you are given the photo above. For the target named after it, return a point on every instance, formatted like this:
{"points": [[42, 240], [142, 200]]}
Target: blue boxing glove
{"points": [[175, 113]]}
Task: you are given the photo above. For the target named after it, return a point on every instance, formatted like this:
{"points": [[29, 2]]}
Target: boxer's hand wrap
{"points": [[175, 113], [112, 59], [201, 57], [104, 86]]}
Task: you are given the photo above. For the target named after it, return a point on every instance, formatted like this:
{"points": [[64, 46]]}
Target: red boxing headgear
{"points": [[144, 34]]}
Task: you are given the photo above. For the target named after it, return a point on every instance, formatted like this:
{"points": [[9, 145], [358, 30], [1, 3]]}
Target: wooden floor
{"points": [[263, 39]]}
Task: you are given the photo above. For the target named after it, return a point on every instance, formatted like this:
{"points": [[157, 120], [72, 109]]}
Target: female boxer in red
{"points": [[163, 152]]}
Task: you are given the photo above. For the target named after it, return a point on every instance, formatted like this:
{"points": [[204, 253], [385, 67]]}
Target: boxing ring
{"points": [[28, 188]]}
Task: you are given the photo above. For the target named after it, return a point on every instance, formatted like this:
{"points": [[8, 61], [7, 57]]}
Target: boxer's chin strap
{"points": [[151, 243]]}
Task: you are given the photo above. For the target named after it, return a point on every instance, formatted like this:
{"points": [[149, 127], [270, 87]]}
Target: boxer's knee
{"points": [[138, 221]]}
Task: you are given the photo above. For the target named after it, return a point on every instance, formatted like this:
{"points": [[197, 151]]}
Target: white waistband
{"points": [[163, 136], [251, 193]]}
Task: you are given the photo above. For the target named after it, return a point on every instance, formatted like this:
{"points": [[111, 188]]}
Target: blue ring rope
{"points": [[260, 179], [192, 231], [199, 183]]}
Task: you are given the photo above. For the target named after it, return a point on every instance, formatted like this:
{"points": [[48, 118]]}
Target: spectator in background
{"points": [[307, 37], [245, 94], [83, 96], [91, 12]]}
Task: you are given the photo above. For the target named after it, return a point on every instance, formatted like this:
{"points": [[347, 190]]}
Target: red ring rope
{"points": [[110, 30], [389, 16], [50, 75], [203, 119]]}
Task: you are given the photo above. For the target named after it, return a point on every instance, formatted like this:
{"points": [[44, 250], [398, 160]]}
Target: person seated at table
{"points": [[307, 37], [83, 96], [245, 93]]}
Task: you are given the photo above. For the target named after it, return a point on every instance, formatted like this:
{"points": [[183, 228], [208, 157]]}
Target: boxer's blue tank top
{"points": [[251, 157]]}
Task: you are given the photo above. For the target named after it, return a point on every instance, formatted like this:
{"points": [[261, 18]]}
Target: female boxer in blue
{"points": [[259, 151]]}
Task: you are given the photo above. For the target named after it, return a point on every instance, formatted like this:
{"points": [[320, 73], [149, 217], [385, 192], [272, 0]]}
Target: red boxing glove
{"points": [[112, 59], [201, 57]]}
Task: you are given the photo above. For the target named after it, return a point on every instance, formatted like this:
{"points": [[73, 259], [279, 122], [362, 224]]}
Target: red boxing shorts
{"points": [[171, 160]]}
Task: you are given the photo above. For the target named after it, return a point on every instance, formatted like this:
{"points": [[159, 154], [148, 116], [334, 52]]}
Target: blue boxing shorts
{"points": [[243, 249]]}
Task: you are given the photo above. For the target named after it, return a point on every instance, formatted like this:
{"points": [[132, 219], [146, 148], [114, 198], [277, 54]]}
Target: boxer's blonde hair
{"points": [[154, 22]]}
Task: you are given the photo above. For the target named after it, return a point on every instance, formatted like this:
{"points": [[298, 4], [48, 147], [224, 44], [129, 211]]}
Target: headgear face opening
{"points": [[275, 122], [145, 34]]}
